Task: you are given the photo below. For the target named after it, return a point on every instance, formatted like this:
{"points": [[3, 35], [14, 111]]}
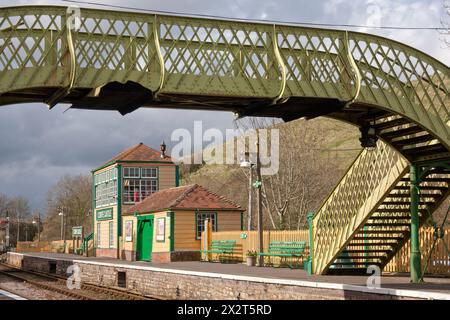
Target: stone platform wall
{"points": [[177, 284]]}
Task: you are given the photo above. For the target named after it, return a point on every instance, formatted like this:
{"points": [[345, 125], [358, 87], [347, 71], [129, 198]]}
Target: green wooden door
{"points": [[145, 238]]}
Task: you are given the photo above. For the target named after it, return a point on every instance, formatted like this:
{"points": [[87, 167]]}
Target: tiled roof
{"points": [[185, 197], [139, 152]]}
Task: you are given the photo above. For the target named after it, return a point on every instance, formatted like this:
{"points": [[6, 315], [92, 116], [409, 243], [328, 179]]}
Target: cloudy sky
{"points": [[38, 146]]}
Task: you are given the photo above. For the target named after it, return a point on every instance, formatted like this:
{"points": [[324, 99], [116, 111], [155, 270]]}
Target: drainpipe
{"points": [[415, 263]]}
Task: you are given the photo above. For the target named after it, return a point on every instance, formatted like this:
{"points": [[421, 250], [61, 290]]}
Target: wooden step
{"points": [[406, 203], [407, 195], [386, 225], [368, 250], [362, 257], [377, 238], [423, 188], [396, 210], [442, 180], [354, 263], [381, 231], [379, 243], [427, 149], [373, 219], [400, 133], [412, 141], [391, 124]]}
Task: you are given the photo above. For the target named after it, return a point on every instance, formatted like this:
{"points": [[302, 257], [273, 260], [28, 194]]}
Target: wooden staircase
{"points": [[388, 228], [366, 220]]}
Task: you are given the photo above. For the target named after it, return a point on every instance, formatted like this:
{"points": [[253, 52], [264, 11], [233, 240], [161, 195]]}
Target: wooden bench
{"points": [[285, 250], [221, 248]]}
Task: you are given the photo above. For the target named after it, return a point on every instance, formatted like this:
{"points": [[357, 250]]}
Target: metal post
{"points": [[39, 227], [18, 227], [64, 232], [250, 193], [62, 224], [259, 203], [415, 263], [309, 263], [7, 230]]}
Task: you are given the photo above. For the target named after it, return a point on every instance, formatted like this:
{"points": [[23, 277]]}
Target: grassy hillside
{"points": [[322, 148]]}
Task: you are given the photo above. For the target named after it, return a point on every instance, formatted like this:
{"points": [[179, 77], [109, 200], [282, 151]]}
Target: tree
{"points": [[20, 224], [72, 195]]}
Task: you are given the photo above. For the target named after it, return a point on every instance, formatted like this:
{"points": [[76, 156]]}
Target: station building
{"points": [[120, 183], [167, 225], [141, 212]]}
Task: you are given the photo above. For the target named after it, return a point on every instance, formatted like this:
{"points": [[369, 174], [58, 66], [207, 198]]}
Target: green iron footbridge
{"points": [[126, 60]]}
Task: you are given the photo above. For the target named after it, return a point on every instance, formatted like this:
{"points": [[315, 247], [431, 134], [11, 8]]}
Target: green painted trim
{"points": [[161, 241], [242, 221], [93, 213], [106, 218], [130, 161], [142, 218], [415, 256], [119, 203], [139, 235], [172, 231], [177, 176]]}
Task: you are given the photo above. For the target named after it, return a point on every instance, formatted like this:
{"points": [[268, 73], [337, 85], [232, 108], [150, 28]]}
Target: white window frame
{"points": [[140, 183], [152, 170], [111, 234], [105, 184], [199, 217], [127, 175], [99, 233]]}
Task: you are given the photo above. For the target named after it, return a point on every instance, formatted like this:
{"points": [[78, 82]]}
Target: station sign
{"points": [[105, 214], [77, 231]]}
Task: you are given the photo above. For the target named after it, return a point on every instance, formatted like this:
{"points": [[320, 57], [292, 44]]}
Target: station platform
{"points": [[235, 275]]}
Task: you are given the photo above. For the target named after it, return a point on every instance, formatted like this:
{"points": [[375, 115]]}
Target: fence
{"points": [[248, 241], [48, 246], [439, 264], [440, 259]]}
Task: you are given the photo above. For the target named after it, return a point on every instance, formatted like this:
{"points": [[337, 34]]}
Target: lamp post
{"points": [[257, 184], [246, 163], [63, 226], [7, 230], [61, 214], [38, 223]]}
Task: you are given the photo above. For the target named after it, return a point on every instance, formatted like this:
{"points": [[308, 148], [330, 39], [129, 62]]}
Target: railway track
{"points": [[55, 283]]}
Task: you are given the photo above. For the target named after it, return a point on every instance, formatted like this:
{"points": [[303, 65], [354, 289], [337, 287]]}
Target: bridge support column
{"points": [[415, 259]]}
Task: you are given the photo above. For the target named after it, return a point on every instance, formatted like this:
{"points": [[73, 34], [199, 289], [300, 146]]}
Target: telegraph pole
{"points": [[7, 230], [259, 203]]}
